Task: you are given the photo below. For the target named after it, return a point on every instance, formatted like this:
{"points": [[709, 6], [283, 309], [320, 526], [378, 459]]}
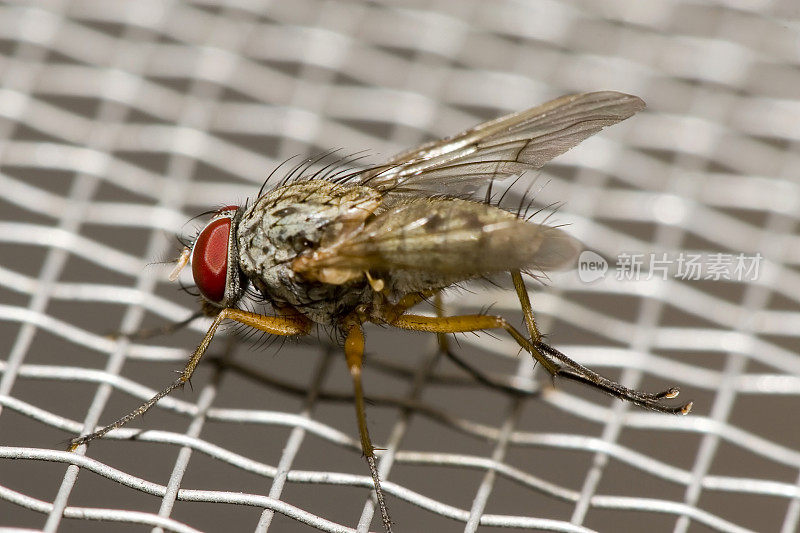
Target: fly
{"points": [[341, 250]]}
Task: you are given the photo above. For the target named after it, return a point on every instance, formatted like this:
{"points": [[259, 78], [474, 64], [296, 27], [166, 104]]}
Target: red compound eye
{"points": [[210, 259]]}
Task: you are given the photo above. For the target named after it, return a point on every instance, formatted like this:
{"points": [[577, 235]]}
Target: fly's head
{"points": [[215, 260]]}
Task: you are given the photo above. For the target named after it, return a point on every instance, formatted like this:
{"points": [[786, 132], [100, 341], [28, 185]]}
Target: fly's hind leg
{"points": [[354, 352], [559, 364], [275, 325], [551, 359], [477, 375]]}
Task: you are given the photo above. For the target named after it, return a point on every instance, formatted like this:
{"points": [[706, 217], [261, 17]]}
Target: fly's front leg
{"points": [[354, 352], [561, 365], [143, 334], [276, 325]]}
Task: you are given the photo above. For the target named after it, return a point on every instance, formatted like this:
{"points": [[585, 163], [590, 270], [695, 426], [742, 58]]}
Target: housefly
{"points": [[340, 250]]}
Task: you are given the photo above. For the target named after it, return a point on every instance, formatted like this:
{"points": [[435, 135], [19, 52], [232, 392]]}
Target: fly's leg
{"points": [[441, 338], [477, 375], [551, 359], [410, 300], [276, 325], [166, 329], [572, 370], [527, 309], [354, 352]]}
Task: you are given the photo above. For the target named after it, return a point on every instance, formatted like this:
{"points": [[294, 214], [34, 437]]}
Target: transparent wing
{"points": [[452, 237], [506, 146]]}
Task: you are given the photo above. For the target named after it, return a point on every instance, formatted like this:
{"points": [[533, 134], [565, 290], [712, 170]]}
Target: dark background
{"points": [[120, 120]]}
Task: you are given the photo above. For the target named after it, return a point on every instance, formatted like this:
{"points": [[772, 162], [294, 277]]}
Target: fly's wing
{"points": [[506, 146], [444, 236]]}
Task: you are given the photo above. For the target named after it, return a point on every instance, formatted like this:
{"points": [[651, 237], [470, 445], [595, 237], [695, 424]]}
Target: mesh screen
{"points": [[120, 120]]}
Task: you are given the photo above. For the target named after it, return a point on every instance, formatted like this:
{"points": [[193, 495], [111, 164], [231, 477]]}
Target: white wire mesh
{"points": [[121, 119]]}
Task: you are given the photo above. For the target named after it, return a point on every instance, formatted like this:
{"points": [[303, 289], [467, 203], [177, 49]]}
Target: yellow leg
{"points": [[465, 323], [525, 302], [275, 325], [551, 359], [572, 370], [438, 305], [477, 375], [354, 353]]}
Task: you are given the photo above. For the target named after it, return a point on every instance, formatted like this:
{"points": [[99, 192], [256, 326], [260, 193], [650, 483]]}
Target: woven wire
{"points": [[120, 120]]}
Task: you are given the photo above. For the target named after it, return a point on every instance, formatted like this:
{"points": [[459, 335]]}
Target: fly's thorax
{"points": [[293, 220]]}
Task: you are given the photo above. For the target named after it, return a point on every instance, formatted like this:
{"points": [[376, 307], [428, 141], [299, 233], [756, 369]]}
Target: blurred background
{"points": [[121, 120]]}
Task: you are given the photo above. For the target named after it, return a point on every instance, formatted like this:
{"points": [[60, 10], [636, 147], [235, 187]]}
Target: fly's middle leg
{"points": [[354, 352]]}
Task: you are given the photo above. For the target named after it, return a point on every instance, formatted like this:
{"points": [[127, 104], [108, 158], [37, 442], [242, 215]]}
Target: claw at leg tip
{"points": [[672, 393]]}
